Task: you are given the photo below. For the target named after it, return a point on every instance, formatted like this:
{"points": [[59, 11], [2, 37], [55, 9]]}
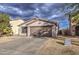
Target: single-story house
{"points": [[14, 25], [34, 27]]}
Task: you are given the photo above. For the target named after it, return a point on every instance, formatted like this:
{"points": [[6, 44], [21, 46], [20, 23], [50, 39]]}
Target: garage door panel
{"points": [[41, 31]]}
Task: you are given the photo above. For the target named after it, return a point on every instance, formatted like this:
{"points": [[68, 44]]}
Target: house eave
{"points": [[36, 19]]}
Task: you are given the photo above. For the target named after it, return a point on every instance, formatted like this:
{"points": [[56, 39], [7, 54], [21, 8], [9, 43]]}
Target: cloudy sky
{"points": [[27, 10]]}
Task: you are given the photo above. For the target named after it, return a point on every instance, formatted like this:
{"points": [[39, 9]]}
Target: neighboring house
{"points": [[14, 25], [34, 27]]}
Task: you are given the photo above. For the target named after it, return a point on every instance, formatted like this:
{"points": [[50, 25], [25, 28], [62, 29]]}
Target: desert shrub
{"points": [[7, 31], [68, 51]]}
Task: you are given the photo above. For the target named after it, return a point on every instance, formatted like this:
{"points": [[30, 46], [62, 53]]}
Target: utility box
{"points": [[67, 42]]}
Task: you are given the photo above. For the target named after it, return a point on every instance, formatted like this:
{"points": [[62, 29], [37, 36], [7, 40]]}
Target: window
{"points": [[24, 29]]}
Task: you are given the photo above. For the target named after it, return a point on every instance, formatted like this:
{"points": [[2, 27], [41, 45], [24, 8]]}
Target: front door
{"points": [[24, 31]]}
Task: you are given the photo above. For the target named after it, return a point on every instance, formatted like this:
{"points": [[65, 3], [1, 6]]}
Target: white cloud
{"points": [[49, 4], [27, 12], [44, 8], [2, 7], [54, 16], [10, 9], [14, 10]]}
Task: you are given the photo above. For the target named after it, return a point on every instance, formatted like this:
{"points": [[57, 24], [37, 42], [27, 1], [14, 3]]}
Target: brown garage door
{"points": [[41, 31]]}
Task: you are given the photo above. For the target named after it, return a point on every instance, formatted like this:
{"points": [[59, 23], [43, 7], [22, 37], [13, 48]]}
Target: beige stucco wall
{"points": [[15, 27]]}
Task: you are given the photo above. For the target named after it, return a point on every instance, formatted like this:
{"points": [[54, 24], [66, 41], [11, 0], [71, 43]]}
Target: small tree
{"points": [[74, 8], [4, 24]]}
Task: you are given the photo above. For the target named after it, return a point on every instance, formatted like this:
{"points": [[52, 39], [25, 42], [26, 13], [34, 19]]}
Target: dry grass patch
{"points": [[50, 47], [68, 51], [6, 39], [56, 47]]}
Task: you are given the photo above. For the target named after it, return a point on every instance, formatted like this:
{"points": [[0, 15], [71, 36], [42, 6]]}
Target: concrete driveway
{"points": [[21, 45]]}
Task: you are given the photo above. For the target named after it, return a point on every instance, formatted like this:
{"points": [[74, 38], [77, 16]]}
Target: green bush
{"points": [[5, 28]]}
